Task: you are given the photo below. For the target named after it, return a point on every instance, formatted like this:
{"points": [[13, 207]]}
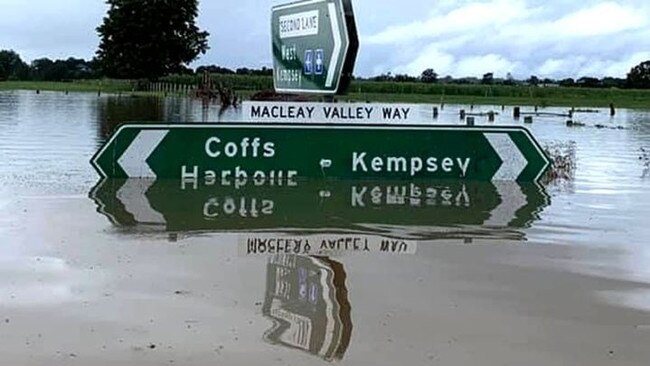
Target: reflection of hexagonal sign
{"points": [[306, 299], [322, 39]]}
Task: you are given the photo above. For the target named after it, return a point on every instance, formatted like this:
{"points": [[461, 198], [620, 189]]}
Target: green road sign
{"points": [[315, 45], [287, 152], [424, 209]]}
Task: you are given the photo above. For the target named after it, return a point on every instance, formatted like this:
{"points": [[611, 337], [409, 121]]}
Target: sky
{"points": [[546, 38]]}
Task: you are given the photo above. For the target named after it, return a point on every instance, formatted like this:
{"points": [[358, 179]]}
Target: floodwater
{"points": [[354, 273]]}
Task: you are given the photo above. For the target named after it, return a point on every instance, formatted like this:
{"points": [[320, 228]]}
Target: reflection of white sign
{"points": [[296, 112], [323, 244], [299, 25]]}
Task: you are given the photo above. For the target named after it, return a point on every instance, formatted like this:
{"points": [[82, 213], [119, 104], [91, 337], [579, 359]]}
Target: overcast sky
{"points": [[547, 38]]}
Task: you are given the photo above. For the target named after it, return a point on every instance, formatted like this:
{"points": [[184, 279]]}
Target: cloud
{"points": [[478, 65], [552, 38], [549, 38], [601, 19], [464, 19]]}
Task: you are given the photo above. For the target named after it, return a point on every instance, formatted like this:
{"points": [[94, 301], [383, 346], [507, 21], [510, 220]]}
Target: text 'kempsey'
{"points": [[283, 152]]}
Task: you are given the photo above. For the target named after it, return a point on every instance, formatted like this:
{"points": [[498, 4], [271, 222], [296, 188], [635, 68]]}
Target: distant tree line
{"points": [[12, 67], [639, 77], [214, 69]]}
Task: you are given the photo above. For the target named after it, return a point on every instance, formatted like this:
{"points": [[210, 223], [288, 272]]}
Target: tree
{"points": [[488, 79], [639, 76], [611, 82], [214, 69], [149, 38], [12, 66], [72, 68], [567, 82], [404, 78], [533, 80], [429, 76], [588, 82]]}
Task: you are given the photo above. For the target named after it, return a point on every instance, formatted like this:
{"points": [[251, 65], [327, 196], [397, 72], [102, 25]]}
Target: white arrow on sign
{"points": [[513, 161], [334, 20], [134, 160]]}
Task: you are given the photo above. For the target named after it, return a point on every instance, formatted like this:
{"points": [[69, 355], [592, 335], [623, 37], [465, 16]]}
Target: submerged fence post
{"points": [[435, 112], [516, 112], [470, 121], [491, 116], [462, 114], [612, 110]]}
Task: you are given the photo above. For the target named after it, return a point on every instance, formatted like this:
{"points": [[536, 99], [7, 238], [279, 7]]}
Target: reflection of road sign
{"points": [[307, 300], [280, 152], [324, 32], [433, 207]]}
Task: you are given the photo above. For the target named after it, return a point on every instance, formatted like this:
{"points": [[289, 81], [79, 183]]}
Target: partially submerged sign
{"points": [[287, 152], [315, 45]]}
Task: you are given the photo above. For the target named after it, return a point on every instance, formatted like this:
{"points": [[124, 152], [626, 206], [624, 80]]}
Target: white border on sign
{"points": [[340, 12], [532, 140]]}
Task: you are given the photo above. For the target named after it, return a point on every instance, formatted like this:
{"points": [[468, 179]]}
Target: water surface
{"points": [[362, 272]]}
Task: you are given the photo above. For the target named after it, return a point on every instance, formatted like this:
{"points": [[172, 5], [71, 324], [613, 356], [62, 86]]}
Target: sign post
{"points": [[315, 44]]}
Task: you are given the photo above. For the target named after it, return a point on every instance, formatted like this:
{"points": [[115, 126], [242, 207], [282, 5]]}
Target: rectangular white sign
{"points": [[348, 113], [299, 24], [322, 244]]}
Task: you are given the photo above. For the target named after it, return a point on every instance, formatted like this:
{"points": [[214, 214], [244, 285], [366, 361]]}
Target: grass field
{"points": [[107, 86], [387, 92]]}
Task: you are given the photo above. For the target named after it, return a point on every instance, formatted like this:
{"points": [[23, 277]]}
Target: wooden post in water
{"points": [[462, 114], [470, 121], [528, 119], [435, 112], [516, 112], [491, 116], [612, 110]]}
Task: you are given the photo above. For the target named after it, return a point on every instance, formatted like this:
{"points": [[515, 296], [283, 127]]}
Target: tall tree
{"points": [[149, 38], [533, 80], [12, 66], [488, 78], [429, 76], [639, 76]]}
